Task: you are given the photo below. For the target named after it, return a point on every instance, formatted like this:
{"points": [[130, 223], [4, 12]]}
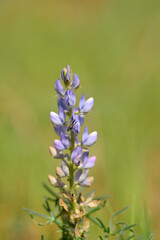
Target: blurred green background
{"points": [[114, 47]]}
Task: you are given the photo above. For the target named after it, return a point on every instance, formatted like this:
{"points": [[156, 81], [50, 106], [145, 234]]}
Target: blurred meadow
{"points": [[114, 47]]}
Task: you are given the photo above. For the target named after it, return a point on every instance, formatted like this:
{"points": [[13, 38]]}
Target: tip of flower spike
{"points": [[65, 75]]}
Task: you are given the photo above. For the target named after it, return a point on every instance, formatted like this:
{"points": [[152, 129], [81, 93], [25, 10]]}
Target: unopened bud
{"points": [[59, 172]]}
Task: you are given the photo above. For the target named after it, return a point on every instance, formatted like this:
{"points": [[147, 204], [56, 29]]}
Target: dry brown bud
{"points": [[86, 225], [56, 182], [59, 172], [93, 204], [63, 205], [77, 231], [53, 151]]}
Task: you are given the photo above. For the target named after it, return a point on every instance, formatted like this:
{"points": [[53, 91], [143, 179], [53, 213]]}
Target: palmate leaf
{"points": [[51, 219], [32, 213]]}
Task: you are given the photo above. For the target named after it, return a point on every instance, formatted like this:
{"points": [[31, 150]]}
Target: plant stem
{"points": [[71, 172]]}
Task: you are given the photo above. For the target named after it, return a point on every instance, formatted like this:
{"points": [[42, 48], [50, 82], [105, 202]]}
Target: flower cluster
{"points": [[72, 209], [72, 151]]}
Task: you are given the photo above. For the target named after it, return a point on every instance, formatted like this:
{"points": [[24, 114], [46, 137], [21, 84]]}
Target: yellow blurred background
{"points": [[114, 47]]}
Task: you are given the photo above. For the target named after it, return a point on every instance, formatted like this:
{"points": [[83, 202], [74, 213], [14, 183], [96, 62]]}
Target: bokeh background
{"points": [[114, 47]]}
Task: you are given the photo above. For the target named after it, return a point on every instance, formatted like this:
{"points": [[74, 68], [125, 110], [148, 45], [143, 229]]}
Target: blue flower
{"points": [[75, 124], [88, 140], [76, 155], [76, 81], [70, 98], [86, 162], [62, 144], [82, 178], [59, 88], [62, 103], [85, 106], [60, 129], [65, 75], [58, 119]]}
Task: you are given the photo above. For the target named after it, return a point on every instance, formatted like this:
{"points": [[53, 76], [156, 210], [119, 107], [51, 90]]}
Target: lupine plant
{"points": [[72, 208]]}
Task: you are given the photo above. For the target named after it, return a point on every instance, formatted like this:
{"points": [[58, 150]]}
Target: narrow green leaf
{"points": [[102, 224], [125, 228], [41, 224], [119, 212], [50, 199], [131, 237], [120, 233], [140, 237], [50, 190], [102, 197], [94, 221], [100, 237], [50, 221], [152, 235], [32, 213], [42, 237]]}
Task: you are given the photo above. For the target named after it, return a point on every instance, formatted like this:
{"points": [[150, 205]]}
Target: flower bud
{"points": [[76, 81], [65, 75], [59, 88], [56, 182], [59, 172], [70, 98]]}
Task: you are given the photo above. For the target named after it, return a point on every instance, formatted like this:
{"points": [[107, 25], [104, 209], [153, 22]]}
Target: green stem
{"points": [[71, 172]]}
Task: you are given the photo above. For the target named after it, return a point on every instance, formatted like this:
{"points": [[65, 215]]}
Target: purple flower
{"points": [[62, 104], [89, 162], [75, 124], [81, 117], [76, 81], [58, 119], [70, 98], [85, 106], [64, 167], [87, 182], [62, 144], [65, 141], [65, 75], [86, 162], [60, 129], [88, 140], [76, 141], [59, 145], [76, 155], [59, 88], [82, 178]]}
